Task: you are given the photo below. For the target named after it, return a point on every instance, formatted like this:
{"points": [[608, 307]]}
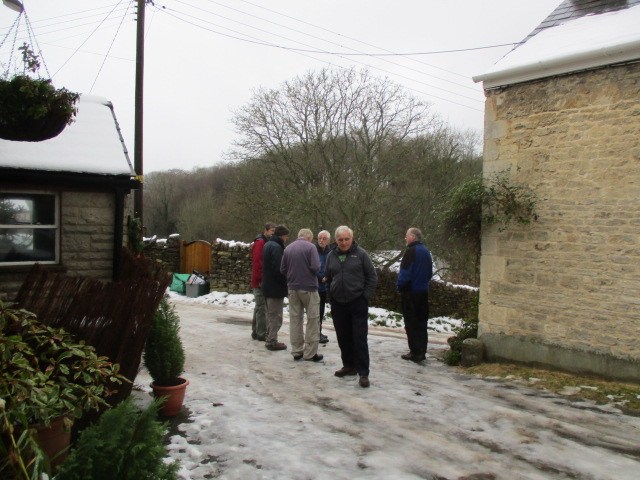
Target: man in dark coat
{"points": [[274, 285], [259, 322], [415, 273], [352, 281]]}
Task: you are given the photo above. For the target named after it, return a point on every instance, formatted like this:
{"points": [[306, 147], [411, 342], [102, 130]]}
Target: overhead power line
{"points": [[250, 39], [315, 50]]}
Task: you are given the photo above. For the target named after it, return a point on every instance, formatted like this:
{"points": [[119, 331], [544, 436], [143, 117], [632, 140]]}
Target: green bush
{"points": [[163, 352], [469, 329], [44, 374], [477, 203], [125, 444]]}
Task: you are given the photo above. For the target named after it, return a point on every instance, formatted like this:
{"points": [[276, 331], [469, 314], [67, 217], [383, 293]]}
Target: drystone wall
{"points": [[231, 272], [564, 290]]}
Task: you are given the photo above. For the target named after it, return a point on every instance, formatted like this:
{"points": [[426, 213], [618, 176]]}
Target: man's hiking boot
{"points": [[413, 358], [275, 346], [315, 358], [323, 339], [344, 371], [364, 381], [297, 356]]}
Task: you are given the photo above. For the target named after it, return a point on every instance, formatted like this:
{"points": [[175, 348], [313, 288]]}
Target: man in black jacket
{"points": [[352, 281], [274, 285]]}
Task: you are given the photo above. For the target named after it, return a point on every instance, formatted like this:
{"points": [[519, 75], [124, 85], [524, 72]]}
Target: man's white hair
{"points": [[305, 233], [343, 228]]}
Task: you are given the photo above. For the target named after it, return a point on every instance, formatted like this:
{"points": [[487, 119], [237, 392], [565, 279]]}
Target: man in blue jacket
{"points": [[416, 269]]}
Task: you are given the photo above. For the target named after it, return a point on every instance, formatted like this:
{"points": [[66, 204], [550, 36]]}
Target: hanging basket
{"points": [[32, 110]]}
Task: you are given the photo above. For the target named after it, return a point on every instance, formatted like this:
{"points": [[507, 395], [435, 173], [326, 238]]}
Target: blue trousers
{"points": [[351, 322]]}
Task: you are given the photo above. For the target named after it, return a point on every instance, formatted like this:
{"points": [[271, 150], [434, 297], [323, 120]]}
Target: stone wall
{"points": [[86, 243], [231, 272], [564, 291], [167, 253], [230, 268]]}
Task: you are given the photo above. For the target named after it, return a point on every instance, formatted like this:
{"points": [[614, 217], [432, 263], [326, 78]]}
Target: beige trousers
{"points": [[305, 343]]}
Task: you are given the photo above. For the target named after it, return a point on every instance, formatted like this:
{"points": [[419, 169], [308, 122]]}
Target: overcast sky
{"points": [[204, 58]]}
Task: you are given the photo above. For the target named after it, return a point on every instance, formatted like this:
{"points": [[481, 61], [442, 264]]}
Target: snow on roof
{"points": [[91, 144], [588, 42]]}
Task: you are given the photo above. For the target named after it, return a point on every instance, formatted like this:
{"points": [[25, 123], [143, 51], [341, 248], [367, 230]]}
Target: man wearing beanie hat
{"points": [[274, 285]]}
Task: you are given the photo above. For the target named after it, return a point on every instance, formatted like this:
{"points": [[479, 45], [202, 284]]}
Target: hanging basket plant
{"points": [[32, 109]]}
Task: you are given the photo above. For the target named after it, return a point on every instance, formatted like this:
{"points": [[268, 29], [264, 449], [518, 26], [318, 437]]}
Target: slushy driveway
{"points": [[257, 414]]}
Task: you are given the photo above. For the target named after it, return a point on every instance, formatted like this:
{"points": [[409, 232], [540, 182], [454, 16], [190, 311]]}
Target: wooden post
{"points": [[138, 145]]}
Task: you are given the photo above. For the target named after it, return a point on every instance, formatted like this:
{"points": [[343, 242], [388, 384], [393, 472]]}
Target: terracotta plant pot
{"points": [[175, 397], [55, 440]]}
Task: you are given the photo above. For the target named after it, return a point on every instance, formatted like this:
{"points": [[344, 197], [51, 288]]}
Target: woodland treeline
{"points": [[330, 148]]}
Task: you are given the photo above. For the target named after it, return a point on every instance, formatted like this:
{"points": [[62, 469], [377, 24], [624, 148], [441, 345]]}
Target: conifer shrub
{"points": [[164, 352], [127, 443]]}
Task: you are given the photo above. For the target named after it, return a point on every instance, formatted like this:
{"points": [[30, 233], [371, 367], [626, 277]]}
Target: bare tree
{"points": [[329, 144]]}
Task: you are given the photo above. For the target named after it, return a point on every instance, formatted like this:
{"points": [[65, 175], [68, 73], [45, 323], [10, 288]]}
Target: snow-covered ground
{"points": [[255, 414], [378, 317]]}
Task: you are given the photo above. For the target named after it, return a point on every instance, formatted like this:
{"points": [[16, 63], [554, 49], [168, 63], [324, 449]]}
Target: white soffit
{"points": [[587, 42]]}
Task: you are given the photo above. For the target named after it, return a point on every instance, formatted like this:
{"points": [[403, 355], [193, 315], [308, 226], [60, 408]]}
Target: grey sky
{"points": [[195, 77]]}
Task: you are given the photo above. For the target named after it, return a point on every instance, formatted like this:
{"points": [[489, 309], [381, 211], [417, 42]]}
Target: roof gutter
{"points": [[586, 60]]}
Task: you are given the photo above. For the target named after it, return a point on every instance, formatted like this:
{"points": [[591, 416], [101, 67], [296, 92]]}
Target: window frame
{"points": [[55, 226]]}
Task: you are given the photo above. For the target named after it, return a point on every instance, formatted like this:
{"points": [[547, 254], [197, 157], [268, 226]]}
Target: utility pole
{"points": [[139, 102]]}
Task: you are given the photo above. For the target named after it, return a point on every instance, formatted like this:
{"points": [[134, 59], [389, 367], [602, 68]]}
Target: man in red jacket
{"points": [[259, 322]]}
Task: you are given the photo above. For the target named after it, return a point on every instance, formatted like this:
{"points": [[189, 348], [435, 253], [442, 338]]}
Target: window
{"points": [[29, 230]]}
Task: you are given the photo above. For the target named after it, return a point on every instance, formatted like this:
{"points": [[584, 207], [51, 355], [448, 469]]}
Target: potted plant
{"points": [[31, 108], [47, 379], [164, 358]]}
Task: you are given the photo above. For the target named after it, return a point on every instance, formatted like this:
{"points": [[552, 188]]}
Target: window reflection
{"points": [[28, 228]]}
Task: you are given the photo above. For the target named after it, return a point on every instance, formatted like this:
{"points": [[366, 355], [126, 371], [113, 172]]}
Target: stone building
{"points": [[562, 116], [64, 201]]}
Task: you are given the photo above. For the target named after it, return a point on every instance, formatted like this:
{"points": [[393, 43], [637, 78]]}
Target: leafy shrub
{"points": [[126, 443], [163, 352], [469, 329], [481, 202], [44, 374]]}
